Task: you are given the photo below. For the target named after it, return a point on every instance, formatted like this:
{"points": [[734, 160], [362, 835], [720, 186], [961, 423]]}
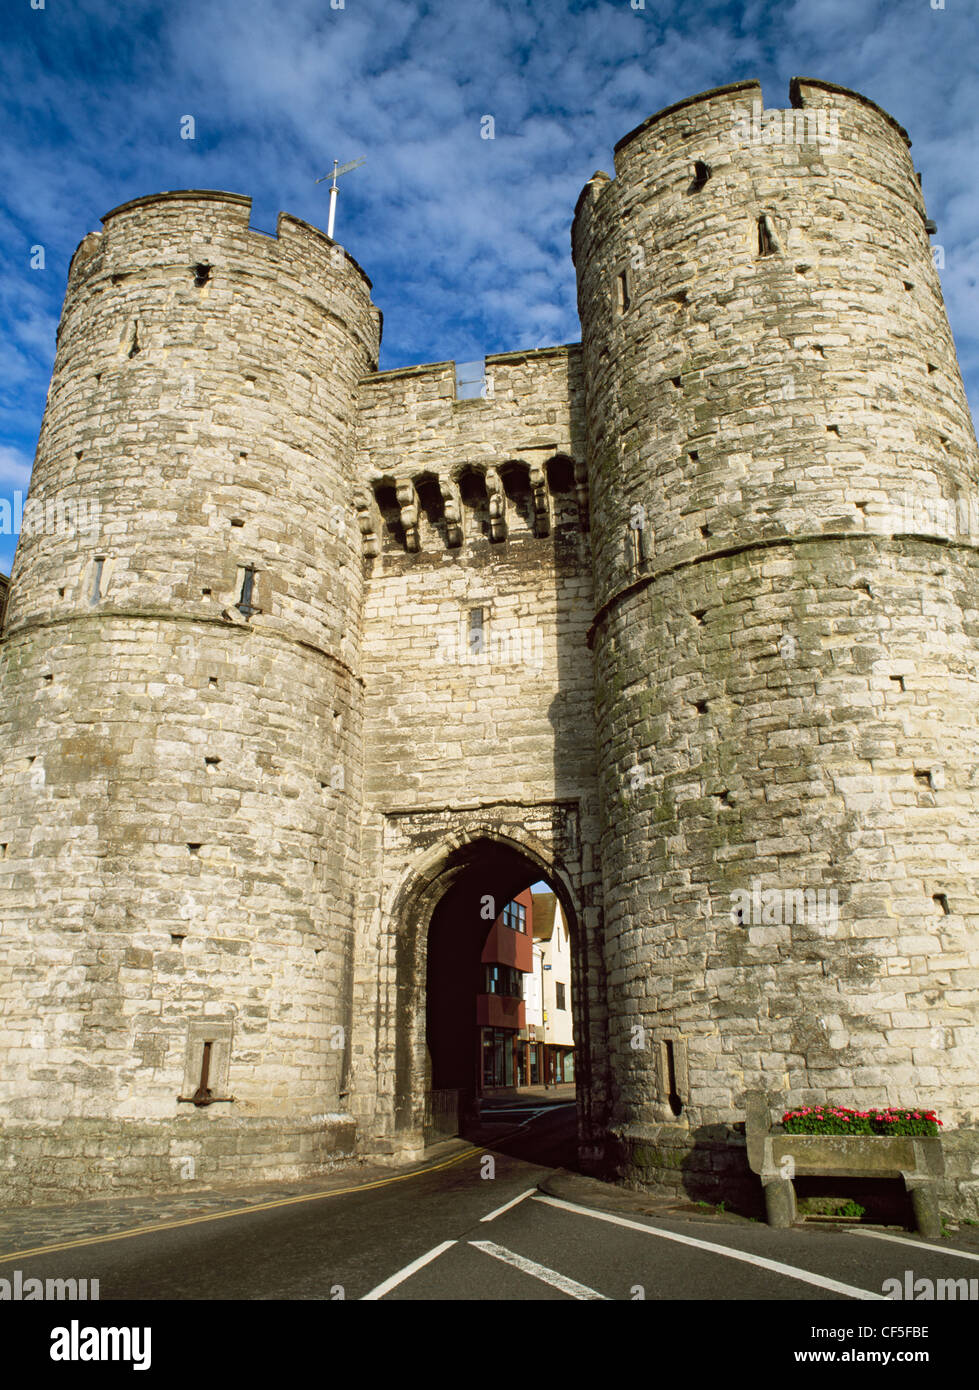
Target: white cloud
{"points": [[15, 468]]}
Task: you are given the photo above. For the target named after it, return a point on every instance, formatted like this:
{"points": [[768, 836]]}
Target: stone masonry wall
{"points": [[781, 461], [455, 736], [181, 779]]}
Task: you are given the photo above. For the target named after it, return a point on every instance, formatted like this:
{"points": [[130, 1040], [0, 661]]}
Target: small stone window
{"points": [[673, 1081], [623, 299], [244, 605], [97, 579]]}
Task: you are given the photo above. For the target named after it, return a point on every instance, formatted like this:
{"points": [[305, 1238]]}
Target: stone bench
{"points": [[778, 1158]]}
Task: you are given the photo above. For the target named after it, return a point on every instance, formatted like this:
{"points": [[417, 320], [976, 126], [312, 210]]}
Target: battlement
{"points": [[508, 461], [800, 89], [692, 142]]}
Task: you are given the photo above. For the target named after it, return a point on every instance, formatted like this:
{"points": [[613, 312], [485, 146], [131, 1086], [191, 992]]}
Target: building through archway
{"points": [[466, 964], [499, 999]]}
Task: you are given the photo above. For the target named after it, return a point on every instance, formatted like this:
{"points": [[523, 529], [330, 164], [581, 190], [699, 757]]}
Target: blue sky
{"points": [[466, 239]]}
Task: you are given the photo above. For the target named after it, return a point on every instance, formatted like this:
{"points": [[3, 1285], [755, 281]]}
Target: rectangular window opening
{"points": [[471, 381], [623, 301], [97, 581], [244, 604]]}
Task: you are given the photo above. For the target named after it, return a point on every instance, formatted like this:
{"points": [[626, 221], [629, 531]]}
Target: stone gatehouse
{"points": [[676, 616]]}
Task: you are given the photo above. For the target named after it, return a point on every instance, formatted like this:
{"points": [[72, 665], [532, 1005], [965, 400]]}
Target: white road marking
{"points": [[917, 1244], [790, 1271], [546, 1276], [407, 1272], [507, 1205]]}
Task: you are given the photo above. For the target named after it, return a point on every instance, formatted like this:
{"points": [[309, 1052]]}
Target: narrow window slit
{"points": [[244, 604], [477, 631], [202, 1096], [97, 581], [899, 681], [202, 273], [676, 1104], [701, 173], [942, 901], [767, 240], [622, 291]]}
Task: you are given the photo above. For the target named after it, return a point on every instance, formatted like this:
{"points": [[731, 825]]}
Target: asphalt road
{"points": [[476, 1227]]}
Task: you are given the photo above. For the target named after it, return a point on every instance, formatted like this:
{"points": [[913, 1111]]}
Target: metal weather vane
{"points": [[338, 169]]}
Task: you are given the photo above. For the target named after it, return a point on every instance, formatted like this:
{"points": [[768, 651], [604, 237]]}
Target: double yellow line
{"points": [[237, 1211]]}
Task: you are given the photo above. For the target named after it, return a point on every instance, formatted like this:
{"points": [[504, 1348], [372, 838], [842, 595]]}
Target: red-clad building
{"points": [[507, 956]]}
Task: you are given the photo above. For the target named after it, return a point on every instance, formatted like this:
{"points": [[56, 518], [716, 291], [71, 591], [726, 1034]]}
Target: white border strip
{"points": [[547, 1276], [406, 1273], [917, 1244], [790, 1271], [507, 1205]]}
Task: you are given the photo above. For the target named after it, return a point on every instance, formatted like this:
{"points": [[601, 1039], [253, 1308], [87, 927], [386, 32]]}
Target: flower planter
{"points": [[779, 1158]]}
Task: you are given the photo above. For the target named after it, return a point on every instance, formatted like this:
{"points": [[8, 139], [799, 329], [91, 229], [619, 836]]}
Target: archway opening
{"points": [[501, 998]]}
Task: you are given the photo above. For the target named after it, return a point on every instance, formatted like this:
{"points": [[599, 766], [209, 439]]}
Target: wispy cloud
{"points": [[15, 467]]}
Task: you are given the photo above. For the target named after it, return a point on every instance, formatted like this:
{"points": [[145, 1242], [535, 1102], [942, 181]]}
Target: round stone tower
{"points": [[180, 716], [785, 515]]}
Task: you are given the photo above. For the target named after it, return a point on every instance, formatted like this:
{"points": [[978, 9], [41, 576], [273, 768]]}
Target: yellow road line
{"points": [[235, 1211]]}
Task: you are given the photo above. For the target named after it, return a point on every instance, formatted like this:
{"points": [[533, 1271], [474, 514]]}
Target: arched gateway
{"points": [[438, 919]]}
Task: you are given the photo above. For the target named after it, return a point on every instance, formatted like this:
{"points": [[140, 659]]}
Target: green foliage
{"points": [[838, 1119], [830, 1206]]}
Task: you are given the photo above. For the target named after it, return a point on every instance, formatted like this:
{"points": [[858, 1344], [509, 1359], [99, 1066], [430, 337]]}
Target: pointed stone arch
{"points": [[467, 860]]}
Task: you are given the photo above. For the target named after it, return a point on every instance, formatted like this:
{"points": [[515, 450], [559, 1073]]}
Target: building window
{"points": [[498, 1060], [503, 979], [515, 916], [560, 995]]}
